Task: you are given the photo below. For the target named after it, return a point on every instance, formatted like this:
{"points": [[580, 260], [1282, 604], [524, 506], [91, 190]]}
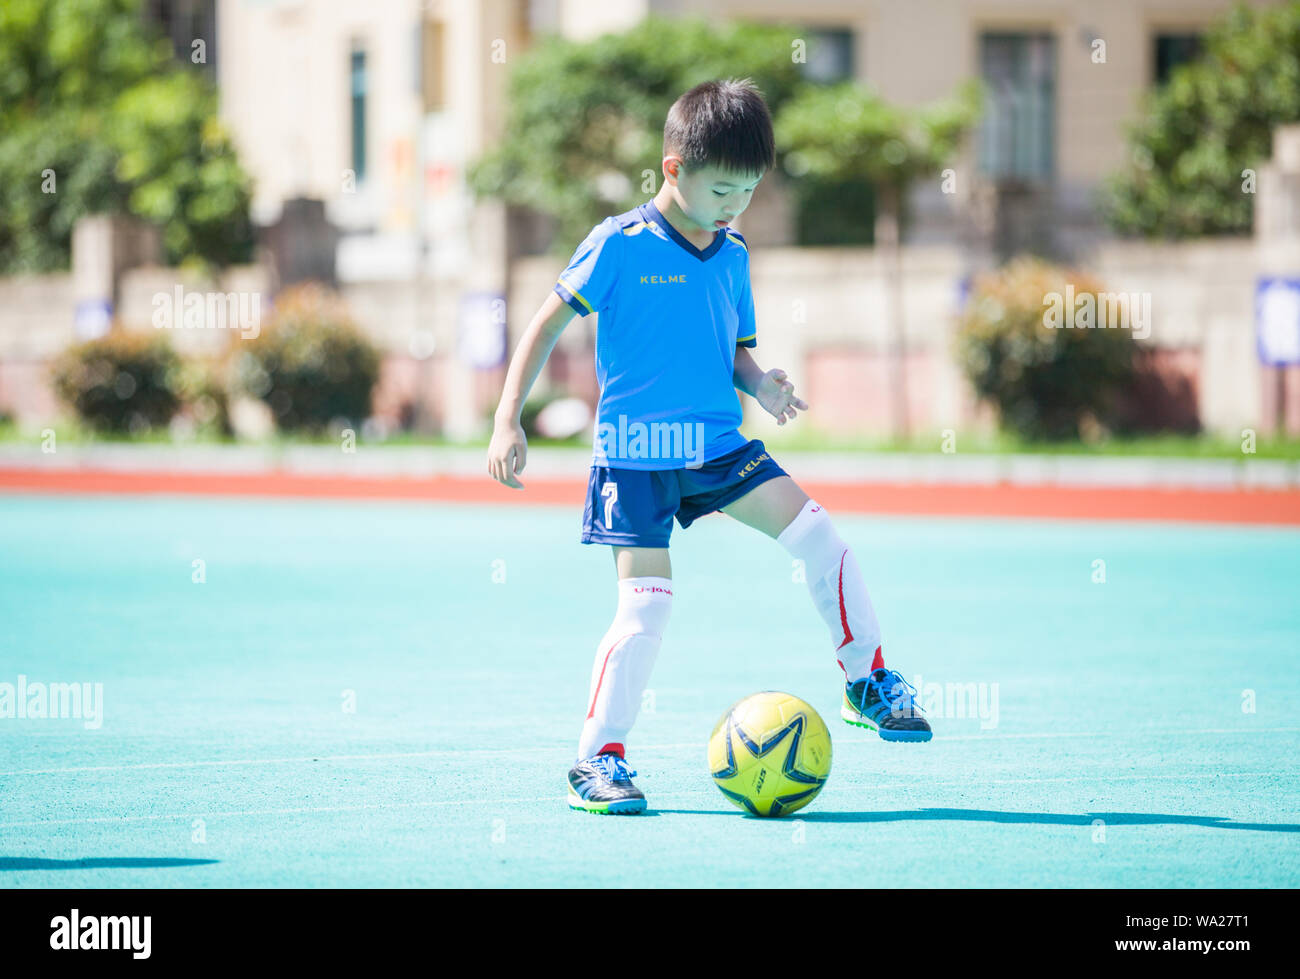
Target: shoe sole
{"points": [[623, 807], [850, 716]]}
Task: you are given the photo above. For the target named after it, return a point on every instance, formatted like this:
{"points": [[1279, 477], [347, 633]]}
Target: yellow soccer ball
{"points": [[770, 754]]}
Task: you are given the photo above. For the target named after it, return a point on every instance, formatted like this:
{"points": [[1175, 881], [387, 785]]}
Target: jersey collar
{"points": [[719, 237]]}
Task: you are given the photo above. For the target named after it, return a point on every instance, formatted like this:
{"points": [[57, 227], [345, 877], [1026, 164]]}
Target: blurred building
{"points": [[376, 109], [1063, 77]]}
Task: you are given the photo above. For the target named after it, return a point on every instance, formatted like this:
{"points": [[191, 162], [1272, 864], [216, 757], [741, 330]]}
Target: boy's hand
{"points": [[776, 394], [507, 453]]}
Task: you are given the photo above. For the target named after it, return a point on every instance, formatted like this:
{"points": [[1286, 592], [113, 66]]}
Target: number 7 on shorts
{"points": [[609, 491]]}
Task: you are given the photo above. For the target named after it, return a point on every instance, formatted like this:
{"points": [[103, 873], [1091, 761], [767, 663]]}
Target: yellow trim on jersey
{"points": [[636, 229], [576, 294], [743, 339], [737, 241]]}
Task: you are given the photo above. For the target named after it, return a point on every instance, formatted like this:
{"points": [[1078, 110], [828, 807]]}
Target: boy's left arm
{"points": [[772, 389]]}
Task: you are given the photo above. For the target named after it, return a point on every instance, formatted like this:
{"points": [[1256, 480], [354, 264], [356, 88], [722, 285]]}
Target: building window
{"points": [[1173, 50], [184, 22], [1018, 131], [359, 85], [830, 55]]}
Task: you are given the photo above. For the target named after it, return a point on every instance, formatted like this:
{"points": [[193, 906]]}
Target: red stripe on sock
{"points": [[612, 749], [879, 662], [603, 665], [844, 618]]}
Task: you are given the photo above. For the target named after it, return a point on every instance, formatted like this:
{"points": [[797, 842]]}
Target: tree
{"points": [[95, 117], [586, 119], [1213, 119], [846, 133]]}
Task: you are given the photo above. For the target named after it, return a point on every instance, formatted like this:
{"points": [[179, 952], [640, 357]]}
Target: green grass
{"points": [[72, 432], [1001, 443]]}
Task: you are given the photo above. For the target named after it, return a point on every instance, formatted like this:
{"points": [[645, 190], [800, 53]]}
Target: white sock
{"points": [[624, 659], [837, 589]]}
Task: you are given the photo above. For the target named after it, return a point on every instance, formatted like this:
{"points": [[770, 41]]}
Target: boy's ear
{"points": [[672, 168]]}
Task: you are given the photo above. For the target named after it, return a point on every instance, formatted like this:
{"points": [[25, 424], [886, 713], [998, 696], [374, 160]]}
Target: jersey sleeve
{"points": [[587, 283], [747, 331]]}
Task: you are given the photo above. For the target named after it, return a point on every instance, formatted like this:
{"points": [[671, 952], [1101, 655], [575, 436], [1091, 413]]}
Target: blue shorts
{"points": [[635, 507]]}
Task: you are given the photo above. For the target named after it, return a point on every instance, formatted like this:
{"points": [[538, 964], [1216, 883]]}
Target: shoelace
{"points": [[898, 693], [614, 767]]}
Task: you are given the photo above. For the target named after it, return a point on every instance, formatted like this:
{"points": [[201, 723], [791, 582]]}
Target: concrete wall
{"points": [[36, 322], [820, 316], [413, 325]]}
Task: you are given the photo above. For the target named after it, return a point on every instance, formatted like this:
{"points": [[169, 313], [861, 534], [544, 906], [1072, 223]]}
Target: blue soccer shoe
{"points": [[603, 784], [882, 702]]}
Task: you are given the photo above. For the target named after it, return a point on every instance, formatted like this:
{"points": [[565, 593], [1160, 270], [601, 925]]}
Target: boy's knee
{"points": [[812, 527]]}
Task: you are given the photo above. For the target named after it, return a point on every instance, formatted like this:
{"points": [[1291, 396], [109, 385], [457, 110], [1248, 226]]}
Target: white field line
{"points": [[560, 799], [476, 752]]}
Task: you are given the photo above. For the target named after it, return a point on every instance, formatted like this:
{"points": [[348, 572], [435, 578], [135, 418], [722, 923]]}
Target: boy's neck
{"points": [[674, 216]]}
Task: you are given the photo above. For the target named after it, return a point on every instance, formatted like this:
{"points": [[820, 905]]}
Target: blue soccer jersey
{"points": [[671, 316]]}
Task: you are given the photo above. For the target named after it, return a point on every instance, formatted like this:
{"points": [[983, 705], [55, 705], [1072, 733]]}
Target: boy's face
{"points": [[710, 197]]}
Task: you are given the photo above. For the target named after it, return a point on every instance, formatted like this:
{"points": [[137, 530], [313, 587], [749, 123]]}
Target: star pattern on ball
{"points": [[788, 736]]}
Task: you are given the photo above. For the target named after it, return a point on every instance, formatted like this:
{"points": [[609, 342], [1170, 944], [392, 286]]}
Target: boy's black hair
{"points": [[724, 124]]}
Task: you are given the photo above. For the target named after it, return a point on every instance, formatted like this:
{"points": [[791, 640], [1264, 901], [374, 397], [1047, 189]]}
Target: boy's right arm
{"points": [[509, 448]]}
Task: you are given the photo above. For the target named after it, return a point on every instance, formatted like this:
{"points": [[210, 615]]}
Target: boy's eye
{"points": [[720, 193]]}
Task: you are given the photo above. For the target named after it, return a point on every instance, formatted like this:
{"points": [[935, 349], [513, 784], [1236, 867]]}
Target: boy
{"points": [[670, 280]]}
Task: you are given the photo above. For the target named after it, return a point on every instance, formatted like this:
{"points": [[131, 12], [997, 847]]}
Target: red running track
{"points": [[1238, 506]]}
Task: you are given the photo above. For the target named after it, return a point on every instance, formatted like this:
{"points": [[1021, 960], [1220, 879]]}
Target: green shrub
{"points": [[1047, 383], [121, 383], [205, 401], [310, 363]]}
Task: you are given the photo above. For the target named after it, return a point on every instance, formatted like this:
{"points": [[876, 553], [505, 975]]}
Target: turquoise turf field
{"points": [[1120, 753]]}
